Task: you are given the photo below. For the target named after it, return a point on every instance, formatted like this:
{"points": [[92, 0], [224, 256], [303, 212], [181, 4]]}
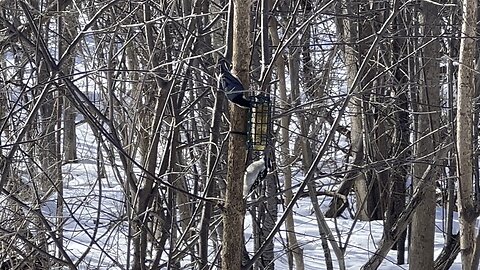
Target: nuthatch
{"points": [[232, 86]]}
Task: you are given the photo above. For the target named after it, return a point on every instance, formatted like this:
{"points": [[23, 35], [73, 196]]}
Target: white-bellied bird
{"points": [[252, 173]]}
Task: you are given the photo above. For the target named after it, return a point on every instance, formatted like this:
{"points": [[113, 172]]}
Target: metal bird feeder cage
{"points": [[259, 124]]}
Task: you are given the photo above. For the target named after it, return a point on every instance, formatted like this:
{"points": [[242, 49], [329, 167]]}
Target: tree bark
{"points": [[349, 36], [234, 208], [466, 87], [268, 211], [423, 222], [407, 214], [293, 247], [69, 32], [401, 135], [209, 187]]}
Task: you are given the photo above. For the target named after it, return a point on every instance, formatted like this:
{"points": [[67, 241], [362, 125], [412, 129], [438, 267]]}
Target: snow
{"points": [[363, 241], [95, 226]]}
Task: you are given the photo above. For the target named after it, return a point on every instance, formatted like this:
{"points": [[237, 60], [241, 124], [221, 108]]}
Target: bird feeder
{"points": [[259, 124]]}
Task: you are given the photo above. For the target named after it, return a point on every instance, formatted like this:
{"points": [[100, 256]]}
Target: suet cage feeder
{"points": [[259, 124]]}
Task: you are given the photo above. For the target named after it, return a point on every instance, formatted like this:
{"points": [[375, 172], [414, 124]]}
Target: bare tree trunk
{"points": [[209, 186], [466, 87], [292, 242], [213, 156], [423, 222], [307, 155], [267, 215], [401, 136], [67, 29], [234, 208], [407, 214], [69, 113], [451, 247], [146, 195], [267, 212], [354, 30], [47, 145]]}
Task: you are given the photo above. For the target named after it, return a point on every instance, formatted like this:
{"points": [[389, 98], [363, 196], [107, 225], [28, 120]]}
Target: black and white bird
{"points": [[254, 173], [232, 86]]}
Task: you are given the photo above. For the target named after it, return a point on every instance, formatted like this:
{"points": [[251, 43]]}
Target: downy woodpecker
{"points": [[252, 172]]}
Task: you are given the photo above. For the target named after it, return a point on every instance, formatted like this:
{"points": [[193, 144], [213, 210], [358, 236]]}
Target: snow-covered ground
{"points": [[95, 227], [362, 243]]}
